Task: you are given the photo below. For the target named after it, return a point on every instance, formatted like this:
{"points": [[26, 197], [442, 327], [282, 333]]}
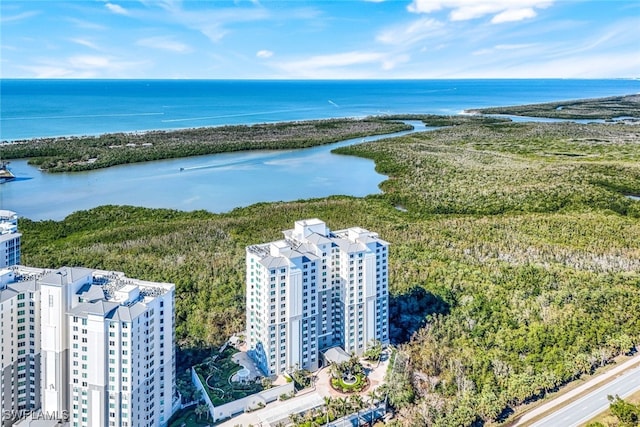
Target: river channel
{"points": [[216, 183]]}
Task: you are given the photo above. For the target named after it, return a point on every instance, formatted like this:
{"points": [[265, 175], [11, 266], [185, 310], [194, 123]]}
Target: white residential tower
{"points": [[92, 347], [313, 290]]}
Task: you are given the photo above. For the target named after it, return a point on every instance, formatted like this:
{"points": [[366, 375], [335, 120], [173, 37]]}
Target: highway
{"points": [[588, 406]]}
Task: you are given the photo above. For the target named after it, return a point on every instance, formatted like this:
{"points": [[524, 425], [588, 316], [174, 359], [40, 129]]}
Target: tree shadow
{"points": [[408, 312]]}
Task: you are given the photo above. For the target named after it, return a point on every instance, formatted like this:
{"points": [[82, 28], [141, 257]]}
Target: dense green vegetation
{"points": [[624, 414], [627, 413], [510, 167], [600, 108], [514, 254], [93, 152]]}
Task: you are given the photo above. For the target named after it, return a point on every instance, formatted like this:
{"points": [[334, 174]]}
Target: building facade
{"points": [[313, 290], [9, 239], [95, 348], [19, 344]]}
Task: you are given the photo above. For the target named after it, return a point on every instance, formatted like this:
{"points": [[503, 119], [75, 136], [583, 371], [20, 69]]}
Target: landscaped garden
{"points": [[348, 376], [189, 417], [338, 407], [215, 374]]}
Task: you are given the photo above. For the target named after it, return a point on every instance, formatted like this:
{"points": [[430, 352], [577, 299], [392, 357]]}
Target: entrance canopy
{"points": [[335, 354]]}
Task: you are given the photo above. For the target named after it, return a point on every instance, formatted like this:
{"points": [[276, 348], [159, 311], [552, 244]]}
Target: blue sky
{"points": [[331, 39]]}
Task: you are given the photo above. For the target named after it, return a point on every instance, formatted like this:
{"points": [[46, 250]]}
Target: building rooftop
{"points": [[6, 215], [8, 222], [302, 242], [107, 293]]}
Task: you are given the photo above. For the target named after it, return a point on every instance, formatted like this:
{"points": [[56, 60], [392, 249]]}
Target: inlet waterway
{"points": [[216, 183]]}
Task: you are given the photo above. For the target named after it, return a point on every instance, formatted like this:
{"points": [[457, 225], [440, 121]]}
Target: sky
{"points": [[330, 39]]}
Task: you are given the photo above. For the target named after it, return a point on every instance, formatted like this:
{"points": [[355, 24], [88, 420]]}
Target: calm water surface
{"points": [[217, 183]]}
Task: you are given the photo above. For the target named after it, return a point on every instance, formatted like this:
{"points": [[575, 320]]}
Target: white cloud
{"points": [[86, 24], [117, 9], [164, 43], [213, 23], [18, 17], [513, 15], [211, 30], [414, 32], [86, 43], [83, 66], [504, 47], [391, 62], [523, 47], [338, 60], [514, 46], [578, 66], [353, 64], [89, 61], [51, 72], [264, 54], [463, 10]]}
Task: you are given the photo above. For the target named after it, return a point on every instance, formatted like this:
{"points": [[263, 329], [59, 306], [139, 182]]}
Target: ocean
{"points": [[46, 108], [219, 183]]}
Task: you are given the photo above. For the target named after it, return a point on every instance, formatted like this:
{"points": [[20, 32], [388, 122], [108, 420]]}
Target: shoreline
{"points": [[71, 154], [216, 183], [621, 108], [177, 129]]}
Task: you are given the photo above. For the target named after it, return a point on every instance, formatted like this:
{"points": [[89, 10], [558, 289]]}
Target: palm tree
{"points": [[331, 408], [295, 418], [342, 406], [334, 370], [356, 402], [374, 396], [201, 409]]}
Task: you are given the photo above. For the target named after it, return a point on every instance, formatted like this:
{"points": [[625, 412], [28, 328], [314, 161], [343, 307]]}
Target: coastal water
{"points": [[45, 108], [41, 108], [217, 183]]}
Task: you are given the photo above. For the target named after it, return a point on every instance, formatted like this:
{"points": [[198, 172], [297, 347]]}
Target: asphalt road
{"points": [[585, 408]]}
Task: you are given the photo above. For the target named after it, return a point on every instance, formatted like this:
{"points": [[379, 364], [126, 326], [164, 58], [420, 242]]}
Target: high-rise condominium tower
{"points": [[92, 347], [313, 290]]}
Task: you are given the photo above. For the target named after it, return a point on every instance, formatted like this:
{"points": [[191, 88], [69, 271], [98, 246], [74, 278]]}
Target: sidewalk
{"points": [[599, 380]]}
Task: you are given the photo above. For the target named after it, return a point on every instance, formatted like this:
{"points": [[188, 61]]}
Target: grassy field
{"points": [[514, 260]]}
